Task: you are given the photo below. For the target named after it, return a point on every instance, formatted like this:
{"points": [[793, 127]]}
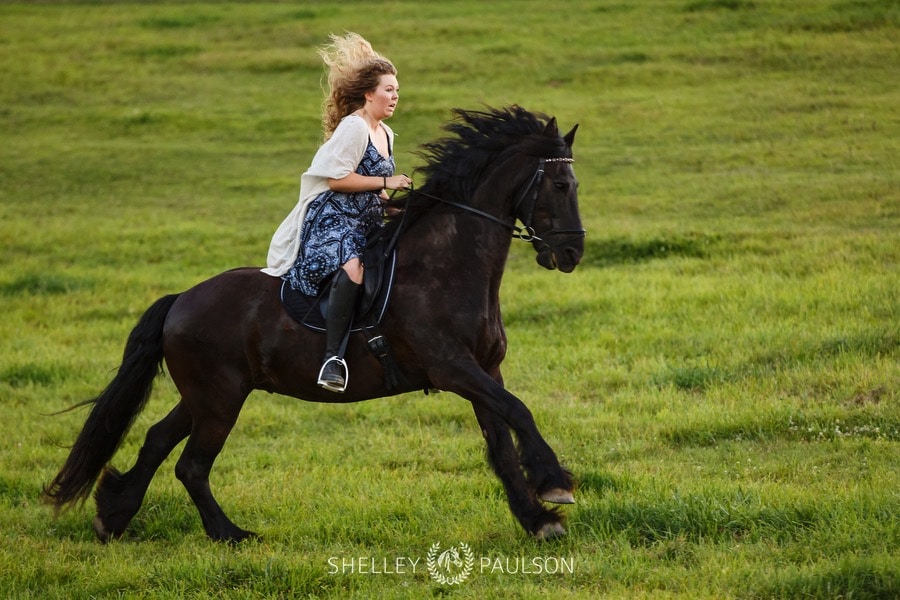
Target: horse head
{"points": [[450, 557], [491, 155], [549, 207]]}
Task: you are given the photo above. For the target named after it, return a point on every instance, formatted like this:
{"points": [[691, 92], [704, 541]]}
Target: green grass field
{"points": [[720, 373]]}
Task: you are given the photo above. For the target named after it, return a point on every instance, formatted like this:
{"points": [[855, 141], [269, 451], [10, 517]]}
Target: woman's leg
{"points": [[354, 270], [341, 302]]}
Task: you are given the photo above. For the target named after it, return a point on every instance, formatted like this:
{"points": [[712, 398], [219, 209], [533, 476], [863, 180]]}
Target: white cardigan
{"points": [[335, 159]]}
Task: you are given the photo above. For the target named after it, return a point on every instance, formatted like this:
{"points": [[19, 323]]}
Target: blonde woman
{"points": [[321, 241]]}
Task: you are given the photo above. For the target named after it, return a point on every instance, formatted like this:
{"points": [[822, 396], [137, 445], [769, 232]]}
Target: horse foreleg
{"points": [[550, 481], [203, 445], [119, 495], [541, 522], [553, 483], [499, 411], [544, 474]]}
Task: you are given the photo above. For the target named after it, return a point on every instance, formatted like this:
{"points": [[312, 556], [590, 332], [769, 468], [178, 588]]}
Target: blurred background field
{"points": [[720, 372]]}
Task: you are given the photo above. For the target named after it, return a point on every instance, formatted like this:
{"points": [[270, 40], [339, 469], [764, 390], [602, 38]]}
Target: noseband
{"points": [[525, 233]]}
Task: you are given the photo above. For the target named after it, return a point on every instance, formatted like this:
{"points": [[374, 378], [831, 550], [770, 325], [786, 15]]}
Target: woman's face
{"points": [[382, 101]]}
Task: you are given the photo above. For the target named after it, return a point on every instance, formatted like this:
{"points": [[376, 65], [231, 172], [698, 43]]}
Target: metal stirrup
{"points": [[329, 385]]}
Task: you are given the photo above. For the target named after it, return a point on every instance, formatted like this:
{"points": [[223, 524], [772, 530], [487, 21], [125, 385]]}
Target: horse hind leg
{"points": [[203, 446], [119, 495]]}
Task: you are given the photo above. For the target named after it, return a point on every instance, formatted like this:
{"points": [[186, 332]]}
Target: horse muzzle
{"points": [[559, 249], [565, 259]]}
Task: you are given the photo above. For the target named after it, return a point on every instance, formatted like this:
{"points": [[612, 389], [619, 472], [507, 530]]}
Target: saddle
{"points": [[380, 260], [378, 282]]}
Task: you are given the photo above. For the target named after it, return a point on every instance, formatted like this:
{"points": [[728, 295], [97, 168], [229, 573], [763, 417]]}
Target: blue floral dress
{"points": [[335, 226]]}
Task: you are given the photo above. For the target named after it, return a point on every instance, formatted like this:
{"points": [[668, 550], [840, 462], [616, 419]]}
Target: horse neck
{"points": [[463, 244], [457, 250], [460, 242]]}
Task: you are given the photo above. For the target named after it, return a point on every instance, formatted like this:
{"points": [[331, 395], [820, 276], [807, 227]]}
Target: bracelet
{"points": [[385, 182]]}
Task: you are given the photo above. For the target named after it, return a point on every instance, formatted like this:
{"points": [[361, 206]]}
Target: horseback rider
{"points": [[321, 241]]}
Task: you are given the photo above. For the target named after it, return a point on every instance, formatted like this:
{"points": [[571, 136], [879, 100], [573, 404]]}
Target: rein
{"points": [[525, 233]]}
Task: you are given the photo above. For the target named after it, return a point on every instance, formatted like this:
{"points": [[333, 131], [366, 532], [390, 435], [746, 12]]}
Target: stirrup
{"points": [[334, 386]]}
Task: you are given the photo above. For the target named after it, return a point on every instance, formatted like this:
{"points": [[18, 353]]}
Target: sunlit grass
{"points": [[720, 373]]}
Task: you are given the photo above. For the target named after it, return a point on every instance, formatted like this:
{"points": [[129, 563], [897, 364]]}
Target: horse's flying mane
{"points": [[453, 164]]}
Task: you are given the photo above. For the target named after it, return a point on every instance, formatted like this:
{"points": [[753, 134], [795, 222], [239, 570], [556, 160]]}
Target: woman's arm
{"points": [[354, 182]]}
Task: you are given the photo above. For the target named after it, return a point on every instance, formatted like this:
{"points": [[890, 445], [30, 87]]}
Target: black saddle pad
{"points": [[370, 309]]}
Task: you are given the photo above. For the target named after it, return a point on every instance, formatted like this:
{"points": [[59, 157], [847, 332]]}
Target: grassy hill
{"points": [[720, 373]]}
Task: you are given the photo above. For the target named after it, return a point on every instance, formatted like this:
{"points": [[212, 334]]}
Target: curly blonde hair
{"points": [[354, 68]]}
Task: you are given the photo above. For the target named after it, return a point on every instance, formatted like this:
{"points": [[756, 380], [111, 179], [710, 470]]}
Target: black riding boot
{"points": [[341, 302]]}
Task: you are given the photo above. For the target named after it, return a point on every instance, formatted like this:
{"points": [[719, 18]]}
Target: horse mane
{"points": [[454, 164]]}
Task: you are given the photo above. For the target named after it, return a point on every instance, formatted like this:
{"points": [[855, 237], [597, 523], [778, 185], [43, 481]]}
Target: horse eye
{"points": [[561, 185]]}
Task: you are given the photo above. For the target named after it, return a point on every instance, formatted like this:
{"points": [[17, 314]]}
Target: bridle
{"points": [[526, 233]]}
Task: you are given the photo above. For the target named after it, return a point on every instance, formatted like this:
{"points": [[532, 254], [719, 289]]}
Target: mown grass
{"points": [[720, 373]]}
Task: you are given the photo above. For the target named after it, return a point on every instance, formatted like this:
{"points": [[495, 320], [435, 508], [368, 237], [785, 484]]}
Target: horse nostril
{"points": [[573, 255]]}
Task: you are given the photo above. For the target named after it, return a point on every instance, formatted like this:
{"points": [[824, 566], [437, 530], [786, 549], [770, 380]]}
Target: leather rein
{"points": [[525, 233]]}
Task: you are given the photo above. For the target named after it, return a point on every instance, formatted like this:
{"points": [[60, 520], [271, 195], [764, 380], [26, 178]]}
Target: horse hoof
{"points": [[251, 536], [558, 496], [103, 534], [236, 537], [550, 531]]}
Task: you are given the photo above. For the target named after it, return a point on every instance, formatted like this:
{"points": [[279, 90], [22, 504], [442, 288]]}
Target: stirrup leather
{"points": [[331, 385]]}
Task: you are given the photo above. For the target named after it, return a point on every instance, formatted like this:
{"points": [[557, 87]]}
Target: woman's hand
{"points": [[397, 182]]}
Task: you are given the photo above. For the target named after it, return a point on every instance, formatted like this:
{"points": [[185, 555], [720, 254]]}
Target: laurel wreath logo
{"points": [[452, 566]]}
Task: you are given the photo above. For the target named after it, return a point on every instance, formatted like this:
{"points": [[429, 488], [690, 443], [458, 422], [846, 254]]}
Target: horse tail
{"points": [[114, 410]]}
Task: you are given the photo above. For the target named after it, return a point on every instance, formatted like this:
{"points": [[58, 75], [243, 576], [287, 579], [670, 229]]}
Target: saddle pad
{"points": [[370, 308]]}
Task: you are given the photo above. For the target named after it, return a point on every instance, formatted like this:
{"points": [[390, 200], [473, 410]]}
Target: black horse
{"points": [[230, 334]]}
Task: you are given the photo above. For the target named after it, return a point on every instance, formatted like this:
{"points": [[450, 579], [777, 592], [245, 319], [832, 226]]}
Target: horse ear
{"points": [[570, 137], [551, 130]]}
